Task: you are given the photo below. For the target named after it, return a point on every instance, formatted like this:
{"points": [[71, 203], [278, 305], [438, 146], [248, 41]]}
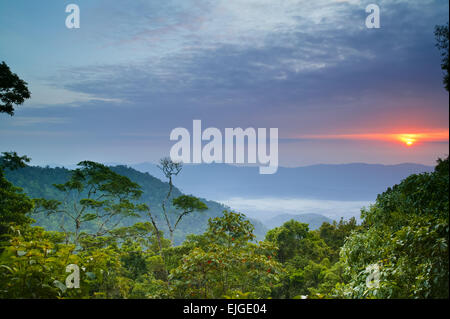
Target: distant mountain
{"points": [[313, 220], [346, 182], [38, 182]]}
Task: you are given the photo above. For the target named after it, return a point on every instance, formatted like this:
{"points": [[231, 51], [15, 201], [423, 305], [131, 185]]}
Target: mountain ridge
{"points": [[353, 181]]}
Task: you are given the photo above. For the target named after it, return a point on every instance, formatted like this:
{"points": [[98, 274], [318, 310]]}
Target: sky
{"points": [[114, 89]]}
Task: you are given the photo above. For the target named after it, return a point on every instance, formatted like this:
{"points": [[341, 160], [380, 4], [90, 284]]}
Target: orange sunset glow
{"points": [[407, 139], [411, 139]]}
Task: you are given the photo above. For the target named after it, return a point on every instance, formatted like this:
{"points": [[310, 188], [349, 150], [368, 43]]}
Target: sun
{"points": [[408, 139]]}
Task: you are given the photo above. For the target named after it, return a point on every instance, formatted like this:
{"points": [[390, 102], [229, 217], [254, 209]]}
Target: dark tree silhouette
{"points": [[441, 34], [13, 90]]}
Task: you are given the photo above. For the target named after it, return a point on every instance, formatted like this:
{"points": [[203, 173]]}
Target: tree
{"points": [[13, 161], [404, 239], [14, 205], [184, 204], [288, 238], [334, 234], [223, 263], [33, 264], [441, 35], [13, 90], [100, 199], [304, 255]]}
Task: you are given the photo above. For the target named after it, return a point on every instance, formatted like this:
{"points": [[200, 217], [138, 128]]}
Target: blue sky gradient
{"points": [[113, 90]]}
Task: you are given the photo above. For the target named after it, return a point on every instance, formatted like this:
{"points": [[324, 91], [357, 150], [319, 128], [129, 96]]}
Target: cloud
{"points": [[269, 207], [47, 95], [307, 67], [33, 120], [188, 46]]}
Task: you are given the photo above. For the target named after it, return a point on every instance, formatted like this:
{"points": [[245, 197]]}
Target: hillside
{"points": [[38, 182]]}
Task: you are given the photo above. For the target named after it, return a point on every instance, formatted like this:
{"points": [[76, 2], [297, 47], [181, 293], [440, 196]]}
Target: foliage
{"points": [[405, 233], [37, 182], [403, 237], [224, 263], [183, 205], [14, 205], [441, 35], [100, 197], [308, 260], [33, 265], [13, 90]]}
